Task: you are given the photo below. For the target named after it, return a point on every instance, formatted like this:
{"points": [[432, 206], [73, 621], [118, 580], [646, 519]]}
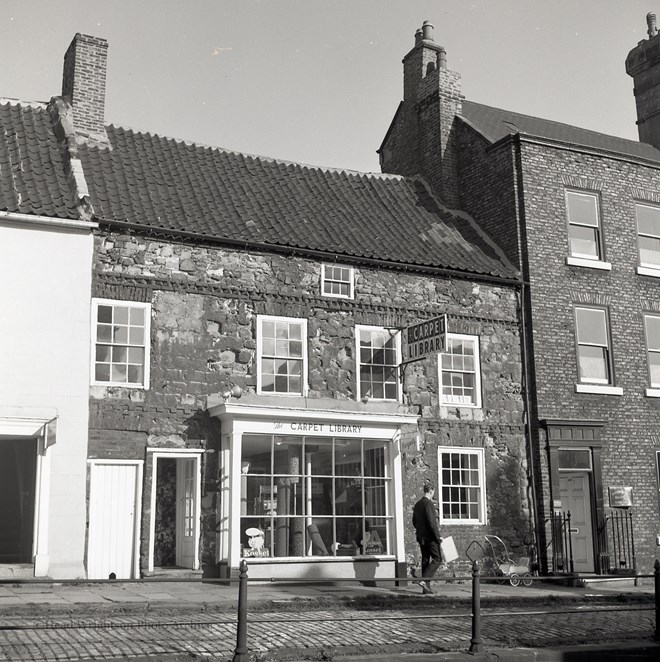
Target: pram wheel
{"points": [[527, 579], [514, 579]]}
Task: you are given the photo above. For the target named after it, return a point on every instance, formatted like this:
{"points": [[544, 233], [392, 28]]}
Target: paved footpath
{"points": [[51, 622]]}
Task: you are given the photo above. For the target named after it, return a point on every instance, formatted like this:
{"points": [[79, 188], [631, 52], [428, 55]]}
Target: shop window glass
{"points": [[314, 496]]}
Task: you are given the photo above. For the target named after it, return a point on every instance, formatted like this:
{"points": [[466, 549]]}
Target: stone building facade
{"points": [[577, 212], [205, 302]]}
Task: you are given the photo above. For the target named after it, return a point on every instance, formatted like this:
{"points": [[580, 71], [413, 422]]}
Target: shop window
{"points": [[379, 356], [648, 235], [121, 343], [460, 372], [337, 281], [593, 346], [314, 496], [462, 486], [281, 355], [584, 228]]}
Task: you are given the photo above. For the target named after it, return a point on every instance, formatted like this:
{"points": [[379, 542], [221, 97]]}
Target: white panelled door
{"points": [[114, 497], [576, 499]]}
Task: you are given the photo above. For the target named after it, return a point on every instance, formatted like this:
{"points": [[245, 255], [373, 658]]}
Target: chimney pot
{"points": [[418, 37], [427, 31], [650, 21], [442, 58]]}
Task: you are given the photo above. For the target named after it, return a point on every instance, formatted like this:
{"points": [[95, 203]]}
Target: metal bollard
{"points": [[241, 652], [656, 585], [475, 642]]}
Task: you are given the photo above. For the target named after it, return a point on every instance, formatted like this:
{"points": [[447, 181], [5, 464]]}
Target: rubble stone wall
{"points": [[204, 303]]}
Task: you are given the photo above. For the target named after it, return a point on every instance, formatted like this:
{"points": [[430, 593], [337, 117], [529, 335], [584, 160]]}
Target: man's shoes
{"points": [[426, 588]]}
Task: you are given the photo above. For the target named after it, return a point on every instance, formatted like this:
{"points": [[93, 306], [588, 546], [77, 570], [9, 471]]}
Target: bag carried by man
{"points": [[448, 549]]}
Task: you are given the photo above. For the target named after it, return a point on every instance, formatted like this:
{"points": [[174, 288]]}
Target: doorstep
{"points": [[611, 581], [173, 572], [17, 571]]}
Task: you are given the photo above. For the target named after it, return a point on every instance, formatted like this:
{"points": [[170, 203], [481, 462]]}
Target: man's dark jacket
{"points": [[425, 521]]}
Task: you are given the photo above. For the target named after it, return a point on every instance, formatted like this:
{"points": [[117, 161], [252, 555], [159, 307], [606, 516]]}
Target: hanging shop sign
{"points": [[424, 339]]}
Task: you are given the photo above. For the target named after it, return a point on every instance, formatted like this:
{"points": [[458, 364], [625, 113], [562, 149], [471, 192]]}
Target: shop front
{"points": [[310, 493]]}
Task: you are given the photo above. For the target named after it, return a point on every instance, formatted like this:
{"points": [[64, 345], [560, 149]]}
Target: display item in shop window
{"points": [[255, 543]]}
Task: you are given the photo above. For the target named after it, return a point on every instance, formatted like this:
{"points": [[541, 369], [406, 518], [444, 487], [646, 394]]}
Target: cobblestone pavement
{"points": [[214, 635]]}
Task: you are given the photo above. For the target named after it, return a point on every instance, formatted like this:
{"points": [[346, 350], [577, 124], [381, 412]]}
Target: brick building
{"points": [[247, 397], [578, 213]]}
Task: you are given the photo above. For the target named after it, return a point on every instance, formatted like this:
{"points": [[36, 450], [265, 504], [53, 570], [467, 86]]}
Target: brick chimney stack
{"points": [[420, 140], [83, 83], [643, 64]]}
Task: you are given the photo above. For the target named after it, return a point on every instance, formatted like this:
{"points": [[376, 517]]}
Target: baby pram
{"points": [[497, 562]]}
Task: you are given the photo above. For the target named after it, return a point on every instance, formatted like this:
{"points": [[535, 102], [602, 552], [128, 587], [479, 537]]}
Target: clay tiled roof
{"points": [[495, 124], [164, 184], [32, 179]]}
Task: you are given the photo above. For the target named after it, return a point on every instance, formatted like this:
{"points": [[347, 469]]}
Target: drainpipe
{"points": [[524, 293]]}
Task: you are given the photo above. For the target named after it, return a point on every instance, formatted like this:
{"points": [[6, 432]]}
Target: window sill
{"points": [[648, 271], [345, 297], [590, 264], [461, 405], [120, 385], [652, 393], [599, 389]]}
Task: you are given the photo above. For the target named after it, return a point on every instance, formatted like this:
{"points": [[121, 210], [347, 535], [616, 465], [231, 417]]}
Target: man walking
{"points": [[425, 521]]}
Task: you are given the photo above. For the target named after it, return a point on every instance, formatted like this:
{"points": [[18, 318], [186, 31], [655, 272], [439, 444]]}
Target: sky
{"points": [[318, 81]]}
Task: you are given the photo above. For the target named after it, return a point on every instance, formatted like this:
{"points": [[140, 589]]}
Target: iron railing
{"points": [[616, 543], [560, 547]]}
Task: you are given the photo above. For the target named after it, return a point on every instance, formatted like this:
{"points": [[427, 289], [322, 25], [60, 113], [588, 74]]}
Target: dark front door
{"points": [[18, 465]]}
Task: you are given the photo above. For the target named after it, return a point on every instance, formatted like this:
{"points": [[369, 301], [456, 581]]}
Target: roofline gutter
{"points": [[500, 280], [572, 147], [49, 221]]}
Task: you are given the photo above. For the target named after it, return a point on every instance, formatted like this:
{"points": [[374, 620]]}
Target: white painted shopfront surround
{"points": [[310, 493], [45, 288]]}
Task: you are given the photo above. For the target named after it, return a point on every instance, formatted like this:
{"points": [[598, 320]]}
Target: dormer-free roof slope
{"points": [[32, 172], [495, 124], [166, 185]]}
